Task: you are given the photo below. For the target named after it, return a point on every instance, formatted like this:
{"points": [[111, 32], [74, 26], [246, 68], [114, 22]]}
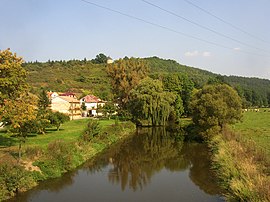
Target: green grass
{"points": [[69, 131], [256, 127]]}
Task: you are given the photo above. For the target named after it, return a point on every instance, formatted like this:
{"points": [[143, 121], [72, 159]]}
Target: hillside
{"points": [[198, 76], [83, 77], [74, 75]]}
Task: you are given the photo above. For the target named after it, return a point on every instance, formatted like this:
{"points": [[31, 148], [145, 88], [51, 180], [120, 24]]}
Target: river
{"points": [[149, 166]]}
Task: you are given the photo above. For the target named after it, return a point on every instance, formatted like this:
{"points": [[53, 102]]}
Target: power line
{"points": [[204, 27], [169, 29], [225, 22]]}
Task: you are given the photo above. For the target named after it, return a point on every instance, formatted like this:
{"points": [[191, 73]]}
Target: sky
{"points": [[229, 37]]}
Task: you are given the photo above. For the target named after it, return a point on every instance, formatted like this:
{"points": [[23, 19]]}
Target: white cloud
{"points": [[237, 49], [197, 53], [192, 54], [206, 54]]}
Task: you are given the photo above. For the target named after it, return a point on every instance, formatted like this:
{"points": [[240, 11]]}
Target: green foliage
{"points": [[150, 102], [42, 121], [198, 76], [182, 86], [214, 106], [108, 109], [253, 91], [43, 100], [14, 179], [83, 75], [58, 118], [20, 115], [83, 106], [73, 75], [93, 129], [100, 58]]}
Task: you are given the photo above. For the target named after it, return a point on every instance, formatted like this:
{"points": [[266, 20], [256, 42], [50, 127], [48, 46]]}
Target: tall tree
{"points": [[100, 58], [150, 102], [181, 85], [20, 113], [215, 106], [126, 74], [58, 118], [17, 106], [12, 76], [42, 120]]}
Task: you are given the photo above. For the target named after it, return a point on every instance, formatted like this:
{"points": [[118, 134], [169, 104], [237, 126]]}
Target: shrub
{"points": [[14, 179], [93, 129]]}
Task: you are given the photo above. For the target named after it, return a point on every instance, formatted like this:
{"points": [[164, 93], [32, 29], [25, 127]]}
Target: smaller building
{"points": [[109, 60], [93, 105]]}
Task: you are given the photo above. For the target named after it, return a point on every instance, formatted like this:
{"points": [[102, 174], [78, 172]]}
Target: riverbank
{"points": [[241, 158], [52, 155]]}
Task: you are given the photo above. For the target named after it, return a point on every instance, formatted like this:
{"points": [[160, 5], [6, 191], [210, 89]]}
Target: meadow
{"points": [[255, 127], [241, 158]]}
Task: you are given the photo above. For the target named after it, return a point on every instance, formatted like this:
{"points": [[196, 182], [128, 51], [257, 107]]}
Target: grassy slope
{"points": [[256, 126], [55, 158], [241, 158]]}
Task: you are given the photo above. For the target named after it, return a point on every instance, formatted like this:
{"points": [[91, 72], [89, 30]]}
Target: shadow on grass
{"points": [[7, 141], [50, 130]]}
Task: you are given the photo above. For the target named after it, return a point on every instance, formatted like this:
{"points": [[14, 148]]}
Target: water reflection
{"points": [[152, 165], [134, 162]]}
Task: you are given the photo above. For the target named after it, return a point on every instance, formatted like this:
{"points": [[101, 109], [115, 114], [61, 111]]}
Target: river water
{"points": [[149, 166]]}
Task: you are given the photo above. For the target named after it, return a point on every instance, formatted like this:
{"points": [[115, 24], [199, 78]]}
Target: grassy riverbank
{"points": [[241, 158], [51, 155]]}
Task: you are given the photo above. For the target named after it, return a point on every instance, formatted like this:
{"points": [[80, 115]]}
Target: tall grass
{"points": [[256, 128], [241, 168]]}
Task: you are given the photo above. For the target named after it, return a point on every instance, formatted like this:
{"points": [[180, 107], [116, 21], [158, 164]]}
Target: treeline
{"points": [[254, 92], [90, 76]]}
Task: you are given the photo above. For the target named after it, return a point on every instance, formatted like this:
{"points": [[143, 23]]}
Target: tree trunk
{"points": [[20, 151]]}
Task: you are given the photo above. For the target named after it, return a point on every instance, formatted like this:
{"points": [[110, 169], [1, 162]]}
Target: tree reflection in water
{"points": [[134, 162]]}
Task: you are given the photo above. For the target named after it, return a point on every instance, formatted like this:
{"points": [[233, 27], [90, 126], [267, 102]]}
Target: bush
{"points": [[14, 179], [93, 129]]}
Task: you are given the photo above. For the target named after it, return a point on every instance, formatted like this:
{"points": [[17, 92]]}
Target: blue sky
{"points": [[72, 29]]}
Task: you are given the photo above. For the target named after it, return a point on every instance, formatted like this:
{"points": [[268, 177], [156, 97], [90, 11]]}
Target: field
{"points": [[241, 158], [256, 127], [69, 131]]}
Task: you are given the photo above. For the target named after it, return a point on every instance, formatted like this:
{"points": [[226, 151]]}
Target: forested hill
{"points": [[256, 91], [84, 76], [198, 76]]}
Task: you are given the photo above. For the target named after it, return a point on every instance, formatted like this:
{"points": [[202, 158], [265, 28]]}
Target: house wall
{"points": [[60, 105], [63, 106], [91, 105]]}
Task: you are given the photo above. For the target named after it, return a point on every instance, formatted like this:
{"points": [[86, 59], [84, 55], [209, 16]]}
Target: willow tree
{"points": [[125, 75], [150, 102]]}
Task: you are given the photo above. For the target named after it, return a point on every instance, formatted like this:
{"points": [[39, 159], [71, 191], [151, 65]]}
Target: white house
{"points": [[92, 104]]}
